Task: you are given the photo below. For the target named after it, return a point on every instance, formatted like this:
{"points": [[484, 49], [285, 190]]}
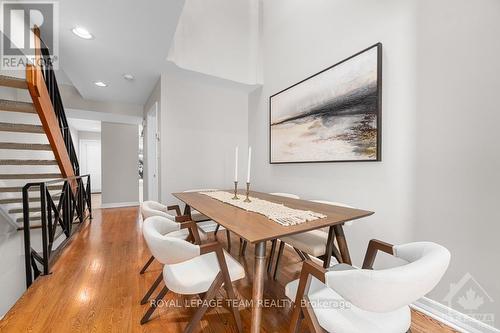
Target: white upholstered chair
{"points": [[153, 208], [350, 300], [168, 227], [192, 269], [307, 243]]}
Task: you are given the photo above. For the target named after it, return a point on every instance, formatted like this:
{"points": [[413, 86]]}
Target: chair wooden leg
{"points": [[153, 287], [243, 247], [146, 265], [154, 305], [295, 324], [271, 255], [280, 253], [216, 229], [228, 236], [211, 293], [301, 255], [228, 285]]}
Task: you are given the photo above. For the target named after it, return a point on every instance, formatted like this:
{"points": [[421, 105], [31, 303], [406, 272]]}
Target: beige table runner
{"points": [[274, 211]]}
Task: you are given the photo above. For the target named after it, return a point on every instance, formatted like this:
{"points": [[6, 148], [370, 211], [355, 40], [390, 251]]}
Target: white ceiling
{"points": [[130, 37], [85, 125]]}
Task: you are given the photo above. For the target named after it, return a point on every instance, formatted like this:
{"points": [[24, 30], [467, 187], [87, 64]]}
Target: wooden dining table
{"points": [[257, 229]]}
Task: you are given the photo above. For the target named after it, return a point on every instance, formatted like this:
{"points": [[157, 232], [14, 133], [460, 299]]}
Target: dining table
{"points": [[257, 229]]}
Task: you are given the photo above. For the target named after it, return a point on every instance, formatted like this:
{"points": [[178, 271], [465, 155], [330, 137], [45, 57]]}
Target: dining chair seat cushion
{"points": [[208, 226], [195, 275], [338, 315], [311, 242], [198, 217]]}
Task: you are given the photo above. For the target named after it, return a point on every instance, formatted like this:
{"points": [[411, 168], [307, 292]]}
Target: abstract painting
{"points": [[332, 116]]}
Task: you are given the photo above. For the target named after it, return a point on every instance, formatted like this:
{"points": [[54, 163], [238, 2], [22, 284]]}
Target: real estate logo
{"points": [[18, 41], [469, 297]]}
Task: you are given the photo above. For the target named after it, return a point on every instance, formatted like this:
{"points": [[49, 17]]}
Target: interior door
{"points": [[90, 162], [152, 152]]}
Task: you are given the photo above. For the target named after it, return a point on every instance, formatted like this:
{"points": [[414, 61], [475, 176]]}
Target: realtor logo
{"points": [[18, 42], [469, 297]]}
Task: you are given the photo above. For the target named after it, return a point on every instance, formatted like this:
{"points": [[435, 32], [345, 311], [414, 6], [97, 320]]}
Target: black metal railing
{"points": [[64, 205], [53, 89]]}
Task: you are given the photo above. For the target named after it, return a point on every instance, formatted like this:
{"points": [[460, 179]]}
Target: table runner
{"points": [[274, 211]]}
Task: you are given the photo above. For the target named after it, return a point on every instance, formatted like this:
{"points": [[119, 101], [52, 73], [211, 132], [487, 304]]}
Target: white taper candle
{"points": [[249, 163]]}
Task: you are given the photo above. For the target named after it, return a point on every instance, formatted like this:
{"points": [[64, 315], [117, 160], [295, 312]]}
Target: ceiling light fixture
{"points": [[82, 33], [128, 77], [100, 84]]}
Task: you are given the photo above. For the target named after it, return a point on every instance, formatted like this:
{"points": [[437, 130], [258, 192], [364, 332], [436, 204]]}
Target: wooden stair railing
{"points": [[45, 110]]}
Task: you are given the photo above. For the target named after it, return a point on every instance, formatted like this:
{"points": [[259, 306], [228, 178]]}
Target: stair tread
{"points": [[23, 128], [34, 188], [25, 146], [20, 210], [36, 226], [32, 218], [27, 162], [16, 106], [31, 176], [13, 82], [20, 200]]}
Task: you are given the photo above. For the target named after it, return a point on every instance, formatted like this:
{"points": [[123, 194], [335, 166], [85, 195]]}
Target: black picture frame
{"points": [[379, 109]]}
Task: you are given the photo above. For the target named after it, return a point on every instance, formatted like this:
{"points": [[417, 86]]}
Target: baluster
{"points": [[43, 217], [27, 235]]}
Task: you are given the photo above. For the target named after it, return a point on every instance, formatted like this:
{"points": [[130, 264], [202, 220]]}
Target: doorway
{"points": [[152, 138], [90, 162]]}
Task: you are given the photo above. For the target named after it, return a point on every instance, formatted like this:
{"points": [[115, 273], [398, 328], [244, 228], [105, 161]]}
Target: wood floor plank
{"points": [[96, 287]]}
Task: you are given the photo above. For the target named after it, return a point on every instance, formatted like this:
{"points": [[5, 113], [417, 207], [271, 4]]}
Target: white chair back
{"points": [[286, 195], [165, 249], [390, 289], [153, 208]]}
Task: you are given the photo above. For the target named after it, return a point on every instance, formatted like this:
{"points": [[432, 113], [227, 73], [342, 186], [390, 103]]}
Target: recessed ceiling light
{"points": [[128, 77], [82, 33], [100, 84]]}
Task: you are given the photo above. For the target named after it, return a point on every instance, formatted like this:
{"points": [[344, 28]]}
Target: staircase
{"points": [[25, 154], [40, 185]]}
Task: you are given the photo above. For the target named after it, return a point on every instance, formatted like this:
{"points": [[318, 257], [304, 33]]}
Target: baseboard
{"points": [[452, 318], [120, 204]]}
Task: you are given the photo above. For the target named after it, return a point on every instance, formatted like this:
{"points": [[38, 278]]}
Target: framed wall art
{"points": [[332, 116]]}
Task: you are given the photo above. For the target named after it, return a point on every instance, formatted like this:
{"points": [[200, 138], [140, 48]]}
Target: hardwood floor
{"points": [[96, 287]]}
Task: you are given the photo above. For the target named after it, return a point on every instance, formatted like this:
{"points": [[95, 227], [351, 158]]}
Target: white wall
{"points": [[220, 38], [87, 135], [202, 121], [302, 38], [438, 176], [458, 159], [120, 176]]}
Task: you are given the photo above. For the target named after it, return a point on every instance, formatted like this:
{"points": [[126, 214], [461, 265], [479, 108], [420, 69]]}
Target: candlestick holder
{"points": [[235, 190], [248, 191]]}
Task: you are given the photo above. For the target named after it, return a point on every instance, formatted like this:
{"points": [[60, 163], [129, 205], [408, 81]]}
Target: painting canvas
{"points": [[332, 116]]}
